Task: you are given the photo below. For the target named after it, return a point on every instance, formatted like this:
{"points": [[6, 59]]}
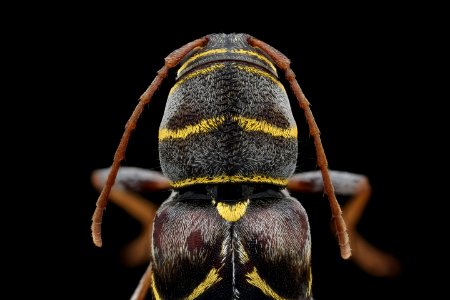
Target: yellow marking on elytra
{"points": [[254, 279], [243, 256], [309, 290], [261, 57], [260, 72], [232, 212], [197, 56], [155, 291], [229, 179], [182, 133], [195, 74], [249, 124], [211, 279]]}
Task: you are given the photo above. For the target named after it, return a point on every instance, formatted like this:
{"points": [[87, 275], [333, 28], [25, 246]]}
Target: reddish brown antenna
{"points": [[284, 64], [170, 61]]}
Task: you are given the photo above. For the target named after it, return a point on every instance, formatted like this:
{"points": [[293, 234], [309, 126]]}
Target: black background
{"points": [[362, 69]]}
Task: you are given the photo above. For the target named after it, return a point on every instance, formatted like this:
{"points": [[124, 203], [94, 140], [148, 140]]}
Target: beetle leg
{"points": [[131, 181], [370, 259], [144, 285]]}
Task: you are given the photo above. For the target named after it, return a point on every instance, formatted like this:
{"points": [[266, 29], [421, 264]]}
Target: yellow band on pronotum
{"points": [[230, 179], [204, 125], [258, 71], [222, 51], [247, 124], [195, 74]]}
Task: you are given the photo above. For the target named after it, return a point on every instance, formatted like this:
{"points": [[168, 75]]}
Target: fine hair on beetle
{"points": [[197, 58]]}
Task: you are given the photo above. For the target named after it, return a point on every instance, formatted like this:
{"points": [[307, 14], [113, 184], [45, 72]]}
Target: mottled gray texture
{"points": [[230, 42], [228, 149]]}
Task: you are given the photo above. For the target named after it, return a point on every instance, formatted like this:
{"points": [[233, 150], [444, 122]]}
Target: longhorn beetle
{"points": [[228, 151]]}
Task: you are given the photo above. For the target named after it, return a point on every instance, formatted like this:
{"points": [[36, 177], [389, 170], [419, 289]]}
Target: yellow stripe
{"points": [[220, 51], [254, 279], [243, 256], [155, 291], [196, 73], [232, 212], [309, 290], [211, 279], [261, 57], [214, 67], [182, 133], [247, 124], [254, 125], [230, 179], [197, 56], [260, 72]]}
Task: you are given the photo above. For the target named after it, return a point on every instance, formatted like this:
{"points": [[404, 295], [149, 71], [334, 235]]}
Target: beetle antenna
{"points": [[169, 62], [284, 64]]}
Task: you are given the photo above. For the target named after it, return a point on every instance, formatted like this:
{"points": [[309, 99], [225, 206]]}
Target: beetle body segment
{"points": [[228, 147], [262, 252], [228, 143], [227, 118]]}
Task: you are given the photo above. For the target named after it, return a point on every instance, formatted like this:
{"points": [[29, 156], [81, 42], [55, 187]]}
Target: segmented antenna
{"points": [[284, 64], [170, 61]]}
